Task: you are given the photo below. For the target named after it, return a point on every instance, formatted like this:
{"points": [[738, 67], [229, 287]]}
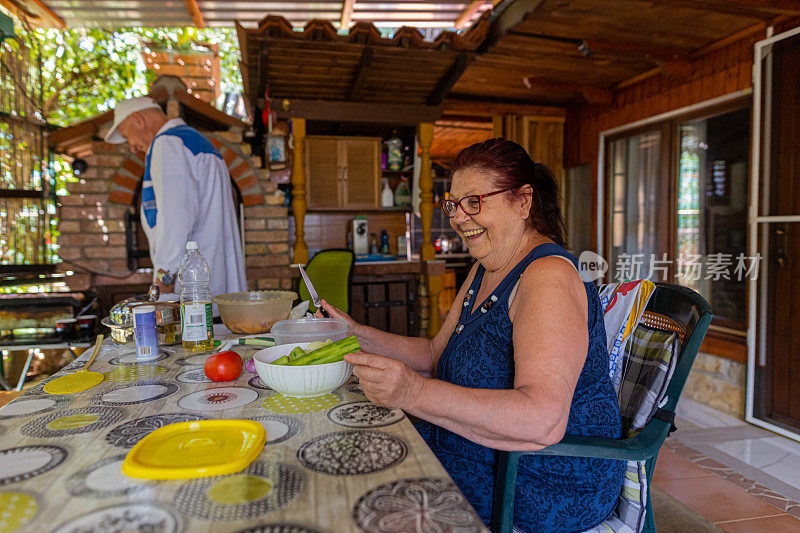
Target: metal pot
{"points": [[168, 333]]}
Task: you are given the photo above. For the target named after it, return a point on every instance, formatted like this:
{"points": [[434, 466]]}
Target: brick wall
{"points": [[92, 227], [199, 70]]}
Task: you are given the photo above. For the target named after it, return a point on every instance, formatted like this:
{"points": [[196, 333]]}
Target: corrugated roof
{"points": [[344, 13]]}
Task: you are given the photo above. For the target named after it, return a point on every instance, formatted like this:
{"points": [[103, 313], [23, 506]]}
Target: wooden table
{"points": [[331, 463]]}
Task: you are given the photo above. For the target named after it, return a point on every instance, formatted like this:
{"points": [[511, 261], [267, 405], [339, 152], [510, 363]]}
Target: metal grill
{"points": [[26, 191]]}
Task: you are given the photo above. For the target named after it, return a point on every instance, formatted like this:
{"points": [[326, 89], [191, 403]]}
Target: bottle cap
{"points": [[191, 245], [143, 309]]}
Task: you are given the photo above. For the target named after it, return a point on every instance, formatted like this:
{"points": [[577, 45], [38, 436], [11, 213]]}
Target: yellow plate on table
{"points": [[196, 449]]}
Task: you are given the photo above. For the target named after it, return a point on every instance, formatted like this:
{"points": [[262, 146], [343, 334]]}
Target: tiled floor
{"points": [[738, 476]]}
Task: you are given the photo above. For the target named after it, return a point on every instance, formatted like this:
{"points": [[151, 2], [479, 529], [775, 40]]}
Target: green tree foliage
{"points": [[86, 71]]}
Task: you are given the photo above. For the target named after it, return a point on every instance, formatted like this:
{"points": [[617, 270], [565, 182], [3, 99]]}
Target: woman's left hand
{"points": [[386, 382]]}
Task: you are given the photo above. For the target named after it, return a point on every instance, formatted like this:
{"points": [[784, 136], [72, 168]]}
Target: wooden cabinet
{"points": [[343, 173]]}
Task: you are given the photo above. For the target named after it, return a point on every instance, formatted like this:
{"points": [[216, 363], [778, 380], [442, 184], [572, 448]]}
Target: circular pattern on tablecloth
{"points": [[279, 428], [105, 479], [35, 404], [289, 404], [71, 422], [16, 510], [278, 528], [257, 383], [127, 434], [364, 414], [193, 360], [354, 387], [352, 452], [25, 462], [132, 358], [134, 516], [135, 393], [260, 488], [38, 389], [412, 505], [218, 399], [124, 373], [196, 375]]}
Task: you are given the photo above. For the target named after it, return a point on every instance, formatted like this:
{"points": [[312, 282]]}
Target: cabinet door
{"points": [[323, 173], [361, 176]]}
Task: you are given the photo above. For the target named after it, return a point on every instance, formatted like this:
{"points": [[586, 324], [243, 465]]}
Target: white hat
{"points": [[123, 111]]}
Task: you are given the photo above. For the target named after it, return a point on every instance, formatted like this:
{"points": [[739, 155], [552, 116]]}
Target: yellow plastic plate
{"points": [[196, 449]]}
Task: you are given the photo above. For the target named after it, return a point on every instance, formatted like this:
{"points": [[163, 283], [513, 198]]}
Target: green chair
{"points": [[331, 273], [675, 321]]}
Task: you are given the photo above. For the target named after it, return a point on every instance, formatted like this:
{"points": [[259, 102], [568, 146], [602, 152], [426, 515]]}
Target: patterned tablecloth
{"points": [[331, 463]]}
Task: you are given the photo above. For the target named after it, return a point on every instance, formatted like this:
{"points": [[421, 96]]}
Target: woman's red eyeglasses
{"points": [[471, 205]]}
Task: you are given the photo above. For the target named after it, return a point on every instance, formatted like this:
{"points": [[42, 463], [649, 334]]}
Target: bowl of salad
{"points": [[306, 369]]}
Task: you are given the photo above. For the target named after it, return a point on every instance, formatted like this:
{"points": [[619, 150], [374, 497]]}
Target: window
{"points": [[712, 208], [635, 200], [27, 204], [677, 206]]}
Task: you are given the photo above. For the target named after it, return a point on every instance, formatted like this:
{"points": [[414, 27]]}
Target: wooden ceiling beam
{"points": [[194, 11], [743, 8], [448, 79], [593, 94], [338, 111], [487, 108], [504, 17], [635, 51], [360, 75], [347, 14]]}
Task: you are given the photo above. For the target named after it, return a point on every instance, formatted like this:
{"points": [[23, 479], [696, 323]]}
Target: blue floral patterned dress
{"points": [[553, 493]]}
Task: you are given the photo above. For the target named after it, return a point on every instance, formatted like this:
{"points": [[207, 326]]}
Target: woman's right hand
{"points": [[352, 325]]}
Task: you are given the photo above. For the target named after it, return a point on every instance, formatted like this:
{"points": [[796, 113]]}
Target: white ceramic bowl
{"points": [[299, 381]]}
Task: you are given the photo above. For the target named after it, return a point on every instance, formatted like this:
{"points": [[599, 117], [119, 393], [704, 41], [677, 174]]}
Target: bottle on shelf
{"points": [[387, 195], [373, 244], [196, 320], [394, 152], [402, 194], [384, 242]]}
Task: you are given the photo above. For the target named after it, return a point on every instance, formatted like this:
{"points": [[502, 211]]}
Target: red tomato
{"points": [[223, 366]]}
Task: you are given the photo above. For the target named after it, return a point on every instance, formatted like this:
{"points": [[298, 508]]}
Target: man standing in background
{"points": [[186, 195]]}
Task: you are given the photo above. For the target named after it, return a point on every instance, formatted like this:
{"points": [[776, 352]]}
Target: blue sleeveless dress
{"points": [[553, 493]]}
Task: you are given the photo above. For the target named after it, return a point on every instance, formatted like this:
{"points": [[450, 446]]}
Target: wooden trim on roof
{"points": [[194, 11], [208, 110], [504, 17], [469, 11], [337, 111], [486, 108], [35, 12], [347, 14]]}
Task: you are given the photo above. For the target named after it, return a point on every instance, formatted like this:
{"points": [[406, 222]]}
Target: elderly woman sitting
{"points": [[521, 358]]}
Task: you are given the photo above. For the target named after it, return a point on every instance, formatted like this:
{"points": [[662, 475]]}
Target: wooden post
{"points": [[497, 125], [425, 137], [434, 273], [300, 249]]}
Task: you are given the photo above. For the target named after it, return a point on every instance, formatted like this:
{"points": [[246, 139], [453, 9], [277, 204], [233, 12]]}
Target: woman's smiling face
{"points": [[493, 235]]}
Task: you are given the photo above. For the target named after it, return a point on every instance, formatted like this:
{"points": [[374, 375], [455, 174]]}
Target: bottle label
{"points": [[196, 322]]}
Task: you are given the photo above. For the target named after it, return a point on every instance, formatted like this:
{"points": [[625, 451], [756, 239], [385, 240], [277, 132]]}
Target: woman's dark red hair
{"points": [[510, 166]]}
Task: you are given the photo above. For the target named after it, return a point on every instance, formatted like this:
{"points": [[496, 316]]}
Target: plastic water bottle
{"points": [[196, 320]]}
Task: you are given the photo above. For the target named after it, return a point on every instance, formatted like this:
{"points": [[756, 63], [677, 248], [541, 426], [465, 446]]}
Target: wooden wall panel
{"points": [[721, 71]]}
